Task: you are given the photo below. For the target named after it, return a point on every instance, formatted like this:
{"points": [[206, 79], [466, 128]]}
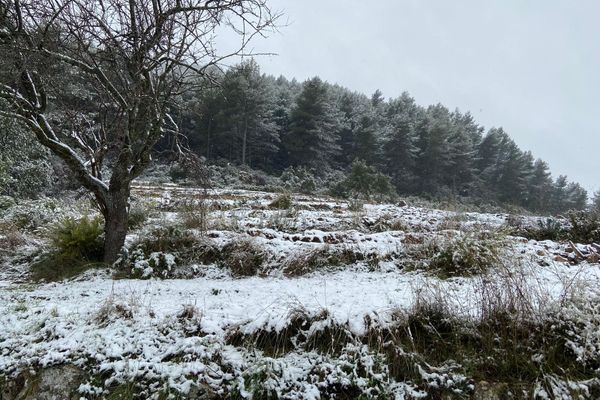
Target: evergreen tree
{"points": [[540, 187], [596, 201], [312, 139], [559, 194], [246, 117], [433, 159], [576, 197], [464, 138]]}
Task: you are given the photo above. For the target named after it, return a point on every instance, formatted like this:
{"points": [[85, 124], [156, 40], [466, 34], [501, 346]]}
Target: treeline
{"points": [[272, 124]]}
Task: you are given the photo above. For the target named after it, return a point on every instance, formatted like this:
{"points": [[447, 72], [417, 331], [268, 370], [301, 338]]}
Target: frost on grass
{"points": [[314, 301]]}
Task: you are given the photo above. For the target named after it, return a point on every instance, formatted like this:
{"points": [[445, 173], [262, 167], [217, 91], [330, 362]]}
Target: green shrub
{"points": [[77, 245], [548, 229], [282, 202], [138, 215], [6, 202], [355, 205], [299, 179], [33, 214], [79, 238], [364, 181], [585, 226], [465, 255], [158, 253]]}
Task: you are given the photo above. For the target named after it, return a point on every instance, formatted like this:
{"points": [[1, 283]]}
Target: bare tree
{"points": [[136, 56]]}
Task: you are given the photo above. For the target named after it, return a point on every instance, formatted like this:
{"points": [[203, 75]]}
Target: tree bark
{"points": [[115, 223]]}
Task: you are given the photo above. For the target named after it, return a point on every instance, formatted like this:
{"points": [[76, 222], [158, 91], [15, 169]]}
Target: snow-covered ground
{"points": [[178, 331]]}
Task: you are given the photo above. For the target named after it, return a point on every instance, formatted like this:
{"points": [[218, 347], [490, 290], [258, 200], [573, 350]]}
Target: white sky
{"points": [[531, 67]]}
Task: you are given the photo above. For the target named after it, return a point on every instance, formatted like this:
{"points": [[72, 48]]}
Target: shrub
{"points": [[364, 181], [355, 205], [282, 202], [6, 202], [158, 253], [464, 255], [10, 239], [113, 309], [299, 179], [283, 221], [548, 229], [77, 245], [195, 215], [32, 214], [190, 168], [386, 223], [80, 238], [243, 258], [25, 168], [585, 226], [137, 217], [319, 259], [452, 222]]}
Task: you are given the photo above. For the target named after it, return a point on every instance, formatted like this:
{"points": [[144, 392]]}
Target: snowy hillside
{"points": [[240, 294]]}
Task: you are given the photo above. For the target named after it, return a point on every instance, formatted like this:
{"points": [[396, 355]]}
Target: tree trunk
{"points": [[115, 224], [245, 138]]}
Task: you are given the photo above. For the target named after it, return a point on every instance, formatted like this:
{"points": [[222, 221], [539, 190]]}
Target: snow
{"points": [[133, 328]]}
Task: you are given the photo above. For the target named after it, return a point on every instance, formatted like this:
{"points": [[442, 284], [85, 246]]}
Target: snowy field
{"points": [[203, 330]]}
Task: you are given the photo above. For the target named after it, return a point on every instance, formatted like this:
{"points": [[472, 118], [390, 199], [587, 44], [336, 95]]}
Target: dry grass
{"points": [[282, 202], [244, 257], [320, 259]]}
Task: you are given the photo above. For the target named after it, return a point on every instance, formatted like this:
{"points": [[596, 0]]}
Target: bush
{"points": [[25, 169], [365, 181], [79, 238], [10, 239], [243, 258], [190, 168], [320, 259], [77, 246], [282, 202], [32, 214], [158, 253], [548, 229], [585, 226], [465, 255], [6, 202], [299, 179], [138, 215], [195, 215], [355, 205]]}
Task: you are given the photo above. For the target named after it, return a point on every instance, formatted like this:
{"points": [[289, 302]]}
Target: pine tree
{"points": [[464, 138], [312, 139], [596, 201], [540, 187], [246, 117], [433, 159]]}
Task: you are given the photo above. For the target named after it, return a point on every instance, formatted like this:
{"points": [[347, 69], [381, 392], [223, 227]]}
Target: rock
{"points": [[541, 253], [561, 259], [402, 203], [489, 391], [53, 383], [593, 258]]}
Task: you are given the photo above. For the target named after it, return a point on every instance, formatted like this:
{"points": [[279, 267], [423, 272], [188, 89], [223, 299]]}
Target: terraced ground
{"points": [[242, 294]]}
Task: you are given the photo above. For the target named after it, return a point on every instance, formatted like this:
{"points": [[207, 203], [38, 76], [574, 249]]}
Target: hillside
{"points": [[244, 294]]}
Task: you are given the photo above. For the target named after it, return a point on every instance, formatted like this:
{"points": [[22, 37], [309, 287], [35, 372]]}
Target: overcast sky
{"points": [[531, 67]]}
